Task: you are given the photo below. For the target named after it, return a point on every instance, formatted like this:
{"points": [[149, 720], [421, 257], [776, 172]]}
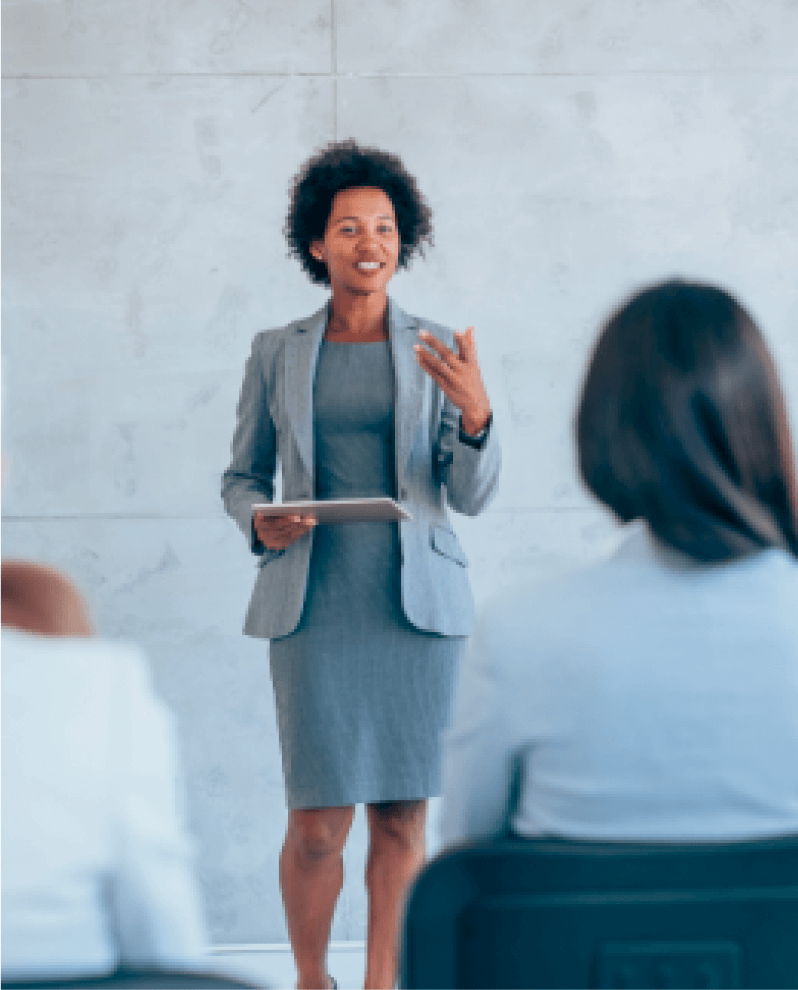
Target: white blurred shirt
{"points": [[648, 698], [96, 865]]}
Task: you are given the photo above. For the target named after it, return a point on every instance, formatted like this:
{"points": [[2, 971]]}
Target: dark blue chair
{"points": [[128, 979], [558, 913]]}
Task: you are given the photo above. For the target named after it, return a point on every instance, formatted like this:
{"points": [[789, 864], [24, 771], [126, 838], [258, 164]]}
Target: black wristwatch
{"points": [[478, 441]]}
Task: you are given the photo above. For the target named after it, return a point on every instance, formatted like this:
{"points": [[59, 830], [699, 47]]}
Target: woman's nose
{"points": [[368, 239]]}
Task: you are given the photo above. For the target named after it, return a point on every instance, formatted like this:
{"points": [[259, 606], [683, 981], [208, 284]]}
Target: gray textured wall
{"points": [[571, 151]]}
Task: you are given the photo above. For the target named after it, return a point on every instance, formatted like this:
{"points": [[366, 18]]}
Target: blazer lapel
{"points": [[301, 357], [411, 390]]}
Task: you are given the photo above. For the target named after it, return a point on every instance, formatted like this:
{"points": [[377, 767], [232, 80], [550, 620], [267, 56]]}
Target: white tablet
{"points": [[338, 510]]}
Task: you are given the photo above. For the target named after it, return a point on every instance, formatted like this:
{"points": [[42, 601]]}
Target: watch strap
{"points": [[478, 441]]}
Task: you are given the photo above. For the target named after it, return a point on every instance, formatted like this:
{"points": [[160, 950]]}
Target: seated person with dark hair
{"points": [[96, 862], [654, 696]]}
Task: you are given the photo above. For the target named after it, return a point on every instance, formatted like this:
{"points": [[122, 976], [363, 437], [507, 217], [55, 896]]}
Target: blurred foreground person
{"points": [[96, 867], [654, 696]]}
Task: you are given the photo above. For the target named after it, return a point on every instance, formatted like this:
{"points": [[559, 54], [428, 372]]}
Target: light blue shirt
{"points": [[97, 864], [648, 697]]}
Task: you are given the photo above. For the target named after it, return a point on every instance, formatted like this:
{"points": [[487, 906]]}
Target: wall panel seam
{"points": [[615, 73]]}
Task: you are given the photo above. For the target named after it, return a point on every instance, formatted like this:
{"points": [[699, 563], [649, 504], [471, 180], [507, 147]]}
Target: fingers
{"points": [[465, 344], [282, 521], [457, 374], [442, 373], [278, 532], [464, 341], [446, 354], [437, 360]]}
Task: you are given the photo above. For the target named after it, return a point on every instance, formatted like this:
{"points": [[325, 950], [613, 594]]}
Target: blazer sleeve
{"points": [[250, 476], [153, 893], [471, 476]]}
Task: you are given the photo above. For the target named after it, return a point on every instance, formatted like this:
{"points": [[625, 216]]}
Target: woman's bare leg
{"points": [[311, 876], [396, 854]]}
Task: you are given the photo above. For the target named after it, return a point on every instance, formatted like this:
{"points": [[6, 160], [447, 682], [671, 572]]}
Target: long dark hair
{"points": [[682, 422]]}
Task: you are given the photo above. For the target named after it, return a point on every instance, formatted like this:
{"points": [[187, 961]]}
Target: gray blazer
{"points": [[433, 468]]}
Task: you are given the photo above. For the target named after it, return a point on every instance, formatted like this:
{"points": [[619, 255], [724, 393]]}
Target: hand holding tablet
{"points": [[279, 532], [278, 525]]}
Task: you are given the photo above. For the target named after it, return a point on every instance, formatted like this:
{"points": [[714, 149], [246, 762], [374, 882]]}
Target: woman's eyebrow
{"points": [[382, 216]]}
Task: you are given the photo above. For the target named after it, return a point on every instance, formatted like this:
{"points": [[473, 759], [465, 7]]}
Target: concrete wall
{"points": [[570, 150]]}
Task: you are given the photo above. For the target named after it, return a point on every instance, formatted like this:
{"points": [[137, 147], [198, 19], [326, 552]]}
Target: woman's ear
{"points": [[317, 250]]}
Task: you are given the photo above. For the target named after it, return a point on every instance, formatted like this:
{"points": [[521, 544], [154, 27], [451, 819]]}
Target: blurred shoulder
{"points": [[40, 599], [44, 665], [775, 576], [531, 610], [568, 607], [636, 590], [782, 566]]}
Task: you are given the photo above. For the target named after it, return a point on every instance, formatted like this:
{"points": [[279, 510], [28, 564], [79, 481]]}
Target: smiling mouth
{"points": [[368, 266]]}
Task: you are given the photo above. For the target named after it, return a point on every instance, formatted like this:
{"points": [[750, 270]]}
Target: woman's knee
{"points": [[319, 833], [398, 821]]}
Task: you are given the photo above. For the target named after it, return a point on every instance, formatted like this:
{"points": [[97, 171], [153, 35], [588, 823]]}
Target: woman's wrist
{"points": [[474, 422]]}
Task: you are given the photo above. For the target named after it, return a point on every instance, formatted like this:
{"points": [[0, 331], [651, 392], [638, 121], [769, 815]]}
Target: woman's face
{"points": [[360, 246]]}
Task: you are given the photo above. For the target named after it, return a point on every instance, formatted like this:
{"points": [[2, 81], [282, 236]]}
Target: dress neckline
{"points": [[353, 343]]}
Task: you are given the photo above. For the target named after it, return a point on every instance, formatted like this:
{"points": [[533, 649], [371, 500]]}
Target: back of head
{"points": [[682, 422], [39, 599]]}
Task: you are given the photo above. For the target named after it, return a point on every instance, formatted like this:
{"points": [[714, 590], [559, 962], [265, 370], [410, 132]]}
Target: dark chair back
{"points": [[559, 913], [127, 979]]}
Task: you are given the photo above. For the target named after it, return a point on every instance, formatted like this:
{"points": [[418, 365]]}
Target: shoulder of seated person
{"points": [[38, 598]]}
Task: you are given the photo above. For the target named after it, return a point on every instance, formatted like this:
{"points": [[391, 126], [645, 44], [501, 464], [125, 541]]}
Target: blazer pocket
{"points": [[444, 542]]}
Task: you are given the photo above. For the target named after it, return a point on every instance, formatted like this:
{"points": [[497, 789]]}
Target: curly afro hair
{"points": [[347, 165]]}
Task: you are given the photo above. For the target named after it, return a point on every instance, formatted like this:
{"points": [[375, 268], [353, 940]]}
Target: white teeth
{"points": [[370, 265]]}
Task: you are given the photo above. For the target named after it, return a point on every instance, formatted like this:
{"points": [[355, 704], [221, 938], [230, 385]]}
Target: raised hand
{"points": [[458, 375]]}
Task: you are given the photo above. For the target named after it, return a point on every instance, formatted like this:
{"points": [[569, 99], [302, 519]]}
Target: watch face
{"points": [[478, 441]]}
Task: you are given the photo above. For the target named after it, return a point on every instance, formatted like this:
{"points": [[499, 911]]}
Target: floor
{"points": [[273, 965]]}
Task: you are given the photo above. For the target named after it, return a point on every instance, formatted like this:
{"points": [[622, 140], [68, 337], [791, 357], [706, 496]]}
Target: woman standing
{"points": [[366, 620]]}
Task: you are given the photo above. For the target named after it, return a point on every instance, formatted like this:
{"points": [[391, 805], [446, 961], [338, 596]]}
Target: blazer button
{"points": [[403, 493]]}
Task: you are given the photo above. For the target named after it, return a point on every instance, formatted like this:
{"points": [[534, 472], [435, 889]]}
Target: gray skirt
{"points": [[362, 695]]}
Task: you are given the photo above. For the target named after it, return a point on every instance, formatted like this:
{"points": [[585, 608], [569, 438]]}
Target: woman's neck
{"points": [[358, 318]]}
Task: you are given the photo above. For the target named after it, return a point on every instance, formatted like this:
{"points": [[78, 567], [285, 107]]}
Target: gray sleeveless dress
{"points": [[362, 696]]}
